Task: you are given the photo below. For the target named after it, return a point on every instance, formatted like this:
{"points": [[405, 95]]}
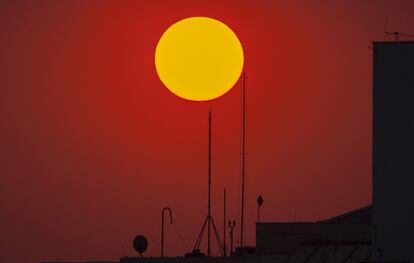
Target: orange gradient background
{"points": [[93, 146]]}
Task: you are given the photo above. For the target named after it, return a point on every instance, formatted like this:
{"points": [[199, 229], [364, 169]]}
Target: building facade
{"points": [[393, 150]]}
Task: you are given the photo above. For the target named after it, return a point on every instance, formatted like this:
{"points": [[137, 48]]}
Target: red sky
{"points": [[93, 146]]}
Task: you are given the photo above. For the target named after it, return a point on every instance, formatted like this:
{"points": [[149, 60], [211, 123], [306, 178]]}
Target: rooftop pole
{"points": [[209, 185], [224, 224], [243, 172], [209, 222]]}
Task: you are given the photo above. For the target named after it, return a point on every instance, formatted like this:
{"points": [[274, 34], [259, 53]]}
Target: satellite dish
{"points": [[140, 244]]}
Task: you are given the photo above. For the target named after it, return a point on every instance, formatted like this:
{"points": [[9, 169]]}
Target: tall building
{"points": [[393, 150]]}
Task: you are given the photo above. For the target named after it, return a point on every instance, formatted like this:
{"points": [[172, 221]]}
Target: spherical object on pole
{"points": [[260, 200], [259, 204]]}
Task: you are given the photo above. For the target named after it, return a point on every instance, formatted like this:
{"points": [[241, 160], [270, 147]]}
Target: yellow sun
{"points": [[199, 58]]}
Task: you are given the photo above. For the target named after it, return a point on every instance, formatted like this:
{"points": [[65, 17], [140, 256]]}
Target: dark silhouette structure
{"points": [[393, 149], [348, 234], [345, 238], [243, 171], [140, 244], [224, 223], [232, 225], [162, 227], [209, 222], [259, 204], [382, 232]]}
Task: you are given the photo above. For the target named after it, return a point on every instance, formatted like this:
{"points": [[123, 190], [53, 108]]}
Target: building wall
{"points": [[283, 238], [359, 216], [249, 259], [393, 149]]}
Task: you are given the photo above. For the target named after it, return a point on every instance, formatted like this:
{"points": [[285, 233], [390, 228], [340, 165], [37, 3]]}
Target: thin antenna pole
{"points": [[209, 222], [162, 227], [224, 224], [386, 37], [209, 185], [243, 158]]}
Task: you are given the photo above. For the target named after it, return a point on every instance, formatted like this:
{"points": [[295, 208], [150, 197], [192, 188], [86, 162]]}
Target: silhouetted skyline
{"points": [[93, 146]]}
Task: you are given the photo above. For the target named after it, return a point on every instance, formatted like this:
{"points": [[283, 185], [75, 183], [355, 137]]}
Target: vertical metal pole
{"points": [[209, 184], [162, 227], [224, 225], [243, 159], [162, 234], [231, 239], [259, 205]]}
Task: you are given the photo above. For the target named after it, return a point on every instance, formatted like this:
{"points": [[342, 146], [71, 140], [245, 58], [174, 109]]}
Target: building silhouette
{"points": [[393, 149], [383, 231]]}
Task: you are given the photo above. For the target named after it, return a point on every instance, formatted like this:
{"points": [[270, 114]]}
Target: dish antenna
{"points": [[140, 244]]}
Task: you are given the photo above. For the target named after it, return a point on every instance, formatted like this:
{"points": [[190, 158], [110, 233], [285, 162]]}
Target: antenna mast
{"points": [[224, 224], [209, 222], [209, 185], [243, 171]]}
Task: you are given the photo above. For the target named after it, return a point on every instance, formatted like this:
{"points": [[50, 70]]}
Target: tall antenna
{"points": [[387, 33], [209, 219], [386, 36], [209, 184], [243, 171], [386, 27], [224, 224], [395, 34]]}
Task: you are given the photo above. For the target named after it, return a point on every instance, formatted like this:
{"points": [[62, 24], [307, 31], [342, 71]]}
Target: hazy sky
{"points": [[93, 146]]}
